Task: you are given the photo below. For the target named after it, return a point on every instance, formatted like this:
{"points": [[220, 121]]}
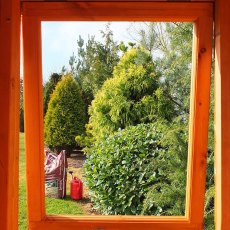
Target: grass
{"points": [[22, 221], [63, 206], [53, 206]]}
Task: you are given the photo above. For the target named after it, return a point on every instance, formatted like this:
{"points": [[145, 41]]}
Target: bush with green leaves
{"points": [[131, 97], [121, 170], [167, 196], [65, 117]]}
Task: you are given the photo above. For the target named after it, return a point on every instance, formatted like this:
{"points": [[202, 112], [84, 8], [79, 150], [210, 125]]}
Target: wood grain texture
{"points": [[199, 117], [201, 14], [119, 1], [115, 223], [68, 223], [113, 11], [222, 115], [9, 113], [33, 112]]}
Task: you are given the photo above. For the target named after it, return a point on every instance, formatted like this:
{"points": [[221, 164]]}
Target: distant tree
{"points": [[49, 88], [65, 117], [94, 63], [171, 47]]}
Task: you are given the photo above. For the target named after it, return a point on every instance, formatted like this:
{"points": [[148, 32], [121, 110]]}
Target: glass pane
{"points": [[116, 100]]}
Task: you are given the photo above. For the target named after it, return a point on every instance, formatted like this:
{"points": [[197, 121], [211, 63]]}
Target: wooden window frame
{"points": [[201, 15]]}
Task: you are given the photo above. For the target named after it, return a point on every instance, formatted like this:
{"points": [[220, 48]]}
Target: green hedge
{"points": [[122, 169]]}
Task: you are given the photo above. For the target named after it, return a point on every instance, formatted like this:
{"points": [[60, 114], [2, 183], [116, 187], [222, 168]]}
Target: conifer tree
{"points": [[65, 117], [131, 97]]}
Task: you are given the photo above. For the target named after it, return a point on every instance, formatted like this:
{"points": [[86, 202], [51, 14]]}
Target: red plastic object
{"points": [[76, 189]]}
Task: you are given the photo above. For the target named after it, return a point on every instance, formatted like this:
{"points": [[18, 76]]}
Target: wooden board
{"points": [[113, 11], [9, 112], [222, 115], [119, 1]]}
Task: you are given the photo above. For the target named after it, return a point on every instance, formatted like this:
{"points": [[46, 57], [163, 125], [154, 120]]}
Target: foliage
{"points": [[49, 88], [209, 208], [174, 62], [65, 117], [21, 127], [122, 169], [173, 58], [167, 196], [131, 97], [94, 63], [210, 193]]}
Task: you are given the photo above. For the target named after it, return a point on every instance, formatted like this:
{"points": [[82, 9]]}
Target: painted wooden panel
{"points": [[222, 115], [9, 112]]}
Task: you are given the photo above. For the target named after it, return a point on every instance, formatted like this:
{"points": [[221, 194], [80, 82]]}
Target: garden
{"points": [[121, 113]]}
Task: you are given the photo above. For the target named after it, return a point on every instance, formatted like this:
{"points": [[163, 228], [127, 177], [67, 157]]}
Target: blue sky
{"points": [[59, 40]]}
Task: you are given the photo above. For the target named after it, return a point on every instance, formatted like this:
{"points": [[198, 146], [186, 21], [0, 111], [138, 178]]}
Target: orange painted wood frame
{"points": [[9, 112], [126, 0], [199, 13], [222, 115]]}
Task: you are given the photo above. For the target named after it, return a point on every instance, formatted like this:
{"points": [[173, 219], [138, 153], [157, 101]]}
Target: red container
{"points": [[76, 189]]}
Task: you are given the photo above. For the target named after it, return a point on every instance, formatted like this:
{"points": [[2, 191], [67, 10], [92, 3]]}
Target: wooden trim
{"points": [[54, 224], [222, 116], [199, 117], [201, 15], [114, 222], [33, 110], [9, 115], [120, 1], [124, 11]]}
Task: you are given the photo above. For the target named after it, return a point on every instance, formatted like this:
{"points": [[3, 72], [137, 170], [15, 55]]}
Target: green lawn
{"points": [[22, 186], [53, 206]]}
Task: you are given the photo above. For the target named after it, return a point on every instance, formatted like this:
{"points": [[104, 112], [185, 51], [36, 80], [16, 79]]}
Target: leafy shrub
{"points": [[65, 117], [167, 196], [121, 170], [131, 97]]}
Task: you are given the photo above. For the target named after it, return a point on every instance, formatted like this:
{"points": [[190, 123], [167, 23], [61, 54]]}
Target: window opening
{"points": [[118, 104]]}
